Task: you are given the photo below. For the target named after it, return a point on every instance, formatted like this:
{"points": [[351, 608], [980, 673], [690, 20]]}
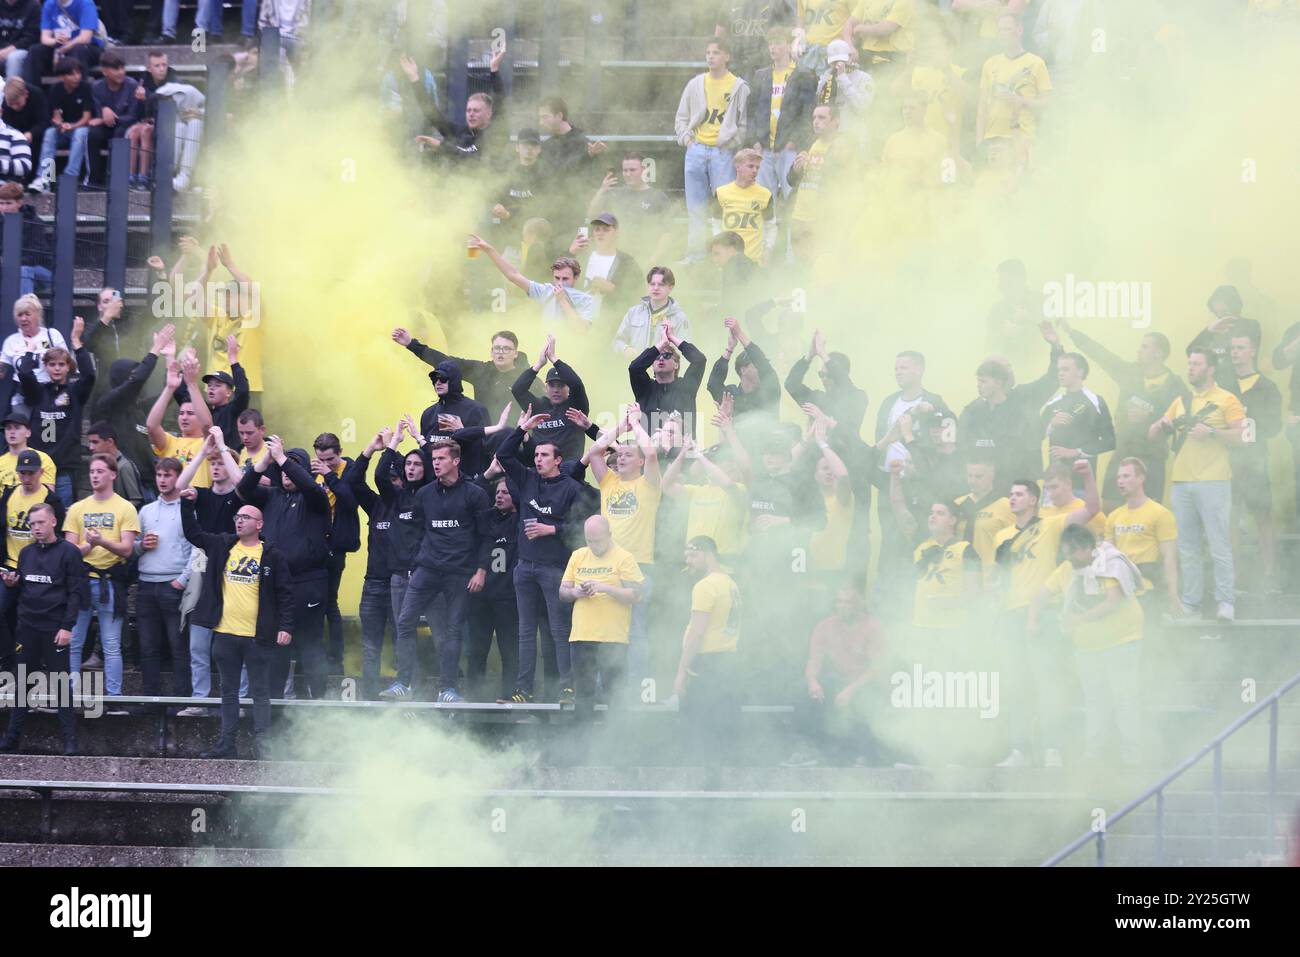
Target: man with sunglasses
{"points": [[454, 410]]}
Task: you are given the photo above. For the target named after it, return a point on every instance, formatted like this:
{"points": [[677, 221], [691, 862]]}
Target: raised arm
{"points": [[506, 268], [1091, 500], [157, 434]]}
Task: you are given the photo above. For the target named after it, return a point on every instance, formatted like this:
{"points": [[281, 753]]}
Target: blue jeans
{"points": [[774, 172], [1204, 508], [31, 275], [422, 592], [638, 636], [201, 664], [63, 489], [75, 142], [376, 611], [537, 592], [707, 168], [207, 17], [248, 18], [110, 634]]}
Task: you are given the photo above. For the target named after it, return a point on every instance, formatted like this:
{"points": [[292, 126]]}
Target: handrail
{"points": [[1157, 789]]}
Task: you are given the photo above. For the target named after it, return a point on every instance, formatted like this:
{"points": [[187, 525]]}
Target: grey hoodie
{"points": [[170, 561], [637, 331]]}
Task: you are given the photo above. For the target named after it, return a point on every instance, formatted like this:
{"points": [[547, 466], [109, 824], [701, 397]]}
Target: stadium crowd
{"points": [[600, 532]]}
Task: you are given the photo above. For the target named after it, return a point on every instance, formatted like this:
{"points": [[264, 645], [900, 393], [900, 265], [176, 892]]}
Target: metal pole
{"points": [[593, 53], [65, 253], [1272, 775], [115, 227], [268, 59], [510, 24], [548, 55], [160, 208], [214, 107], [11, 276], [1160, 827], [1218, 798], [1101, 848]]}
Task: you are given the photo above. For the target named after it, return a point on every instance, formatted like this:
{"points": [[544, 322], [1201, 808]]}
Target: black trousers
{"points": [[233, 653], [488, 616], [711, 706], [606, 659], [308, 645], [41, 653], [40, 61], [158, 619], [334, 617], [97, 140]]}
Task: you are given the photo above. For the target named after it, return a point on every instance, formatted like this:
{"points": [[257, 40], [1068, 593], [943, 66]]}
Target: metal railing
{"points": [[1157, 790]]}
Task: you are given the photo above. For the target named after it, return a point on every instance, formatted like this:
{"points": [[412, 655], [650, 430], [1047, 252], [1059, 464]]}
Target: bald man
{"points": [[603, 582], [247, 601]]}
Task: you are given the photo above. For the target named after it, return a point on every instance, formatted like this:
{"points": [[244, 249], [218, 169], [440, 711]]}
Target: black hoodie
{"points": [[455, 402], [51, 586], [557, 428], [20, 24], [404, 536], [58, 407], [380, 511], [123, 409], [547, 500], [455, 535], [491, 386], [297, 522], [668, 397]]}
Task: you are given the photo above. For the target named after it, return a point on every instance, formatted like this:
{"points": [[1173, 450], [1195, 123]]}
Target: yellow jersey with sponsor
{"points": [[946, 105], [717, 595], [1206, 460], [19, 532], [989, 519], [110, 517], [1096, 524], [779, 80], [742, 212], [823, 20], [941, 580], [247, 330], [1118, 628], [631, 508], [183, 449], [876, 11], [718, 513], [241, 585], [1029, 558], [1026, 75], [1138, 532], [808, 200], [919, 157], [602, 617], [9, 469], [717, 97]]}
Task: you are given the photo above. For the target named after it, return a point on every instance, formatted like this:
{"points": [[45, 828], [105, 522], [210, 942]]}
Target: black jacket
{"points": [[794, 125], [491, 386], [1263, 402], [503, 534], [20, 24], [454, 522], [843, 401], [297, 522], [226, 417], [50, 499], [275, 593], [51, 586], [882, 412], [380, 512], [61, 405], [1091, 430], [460, 143], [765, 399], [1008, 433], [455, 402], [123, 408], [557, 428], [404, 536], [345, 523], [547, 500], [667, 398]]}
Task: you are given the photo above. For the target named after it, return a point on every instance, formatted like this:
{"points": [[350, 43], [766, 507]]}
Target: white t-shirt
{"points": [[897, 450], [598, 267], [583, 303], [17, 344]]}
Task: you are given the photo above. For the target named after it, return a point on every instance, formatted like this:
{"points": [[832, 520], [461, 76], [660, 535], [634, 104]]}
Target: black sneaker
{"points": [[221, 752], [567, 696], [518, 697], [70, 749], [260, 750], [8, 746]]}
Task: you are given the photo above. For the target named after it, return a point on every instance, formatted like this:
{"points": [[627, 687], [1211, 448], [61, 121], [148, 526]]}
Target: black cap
{"points": [[18, 417], [553, 375], [528, 135], [605, 219], [220, 377], [29, 461]]}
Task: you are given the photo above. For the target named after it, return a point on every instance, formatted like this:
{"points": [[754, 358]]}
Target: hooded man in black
{"points": [[1225, 305], [296, 520], [376, 609], [666, 390], [410, 471], [491, 380], [453, 401], [842, 400]]}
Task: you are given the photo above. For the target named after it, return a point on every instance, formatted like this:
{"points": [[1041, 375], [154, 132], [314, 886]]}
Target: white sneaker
{"points": [[1016, 759], [181, 182], [1226, 612], [194, 711], [1052, 759]]}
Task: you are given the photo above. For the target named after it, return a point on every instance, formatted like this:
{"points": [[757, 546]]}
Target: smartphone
{"points": [[582, 231]]}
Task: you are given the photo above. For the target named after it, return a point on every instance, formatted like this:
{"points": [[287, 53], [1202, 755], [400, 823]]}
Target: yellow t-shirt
{"points": [[1032, 559], [779, 79], [1118, 628], [1206, 460], [742, 214], [320, 480], [717, 97], [1138, 532], [988, 29], [823, 20], [241, 586], [111, 517], [9, 469], [873, 11], [184, 449], [718, 513], [808, 199], [1096, 524], [1026, 75], [631, 508], [941, 582], [829, 547], [989, 520], [247, 331], [917, 156], [717, 595], [20, 533], [943, 113], [602, 617]]}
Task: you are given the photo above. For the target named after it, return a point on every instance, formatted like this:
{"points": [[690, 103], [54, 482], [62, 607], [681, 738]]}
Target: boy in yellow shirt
{"points": [[743, 207]]}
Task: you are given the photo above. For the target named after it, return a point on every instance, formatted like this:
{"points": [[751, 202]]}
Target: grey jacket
{"points": [[694, 107], [170, 561], [636, 331]]}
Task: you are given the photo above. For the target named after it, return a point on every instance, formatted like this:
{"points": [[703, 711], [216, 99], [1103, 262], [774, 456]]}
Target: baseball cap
{"points": [[28, 461], [220, 377], [553, 375], [838, 50], [605, 219], [17, 417], [528, 135]]}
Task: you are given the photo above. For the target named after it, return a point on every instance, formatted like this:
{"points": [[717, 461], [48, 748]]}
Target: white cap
{"points": [[839, 50]]}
